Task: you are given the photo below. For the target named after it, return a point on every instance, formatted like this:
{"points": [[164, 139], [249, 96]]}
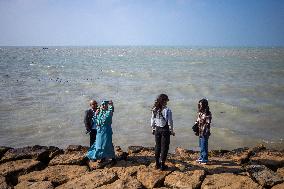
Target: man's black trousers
{"points": [[93, 134]]}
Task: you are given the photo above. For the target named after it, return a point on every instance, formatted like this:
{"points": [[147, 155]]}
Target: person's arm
{"points": [[170, 121], [153, 125], [87, 120], [208, 120]]}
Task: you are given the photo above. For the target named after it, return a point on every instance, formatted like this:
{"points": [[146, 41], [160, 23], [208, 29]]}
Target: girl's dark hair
{"points": [[159, 103], [204, 106]]}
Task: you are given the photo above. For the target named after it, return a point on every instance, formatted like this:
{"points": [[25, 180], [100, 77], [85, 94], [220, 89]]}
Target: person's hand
{"points": [[87, 131], [153, 131], [110, 103], [173, 133], [98, 111]]}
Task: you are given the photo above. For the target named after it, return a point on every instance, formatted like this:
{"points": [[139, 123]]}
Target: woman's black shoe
{"points": [[163, 167], [113, 161], [102, 160]]}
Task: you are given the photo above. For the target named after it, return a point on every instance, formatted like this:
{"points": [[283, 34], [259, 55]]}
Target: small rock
{"points": [[229, 180], [34, 185], [263, 175], [189, 179]]}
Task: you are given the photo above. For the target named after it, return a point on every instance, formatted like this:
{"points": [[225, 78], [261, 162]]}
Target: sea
{"points": [[44, 92]]}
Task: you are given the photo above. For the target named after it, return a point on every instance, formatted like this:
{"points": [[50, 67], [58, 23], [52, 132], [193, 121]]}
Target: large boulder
{"points": [[34, 185], [40, 153], [151, 178], [58, 174], [19, 167], [189, 179], [125, 183], [229, 181], [263, 175], [90, 180]]}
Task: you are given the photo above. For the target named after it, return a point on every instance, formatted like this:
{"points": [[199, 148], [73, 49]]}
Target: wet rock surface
{"points": [[49, 167]]}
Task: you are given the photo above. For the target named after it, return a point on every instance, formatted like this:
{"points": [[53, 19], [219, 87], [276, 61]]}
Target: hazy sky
{"points": [[143, 22]]}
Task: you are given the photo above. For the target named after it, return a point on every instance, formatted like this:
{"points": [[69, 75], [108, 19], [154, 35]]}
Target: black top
{"points": [[88, 118]]}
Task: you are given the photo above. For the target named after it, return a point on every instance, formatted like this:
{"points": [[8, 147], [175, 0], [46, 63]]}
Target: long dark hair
{"points": [[159, 103], [204, 106]]}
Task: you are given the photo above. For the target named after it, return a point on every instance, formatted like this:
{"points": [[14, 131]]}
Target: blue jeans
{"points": [[203, 144]]}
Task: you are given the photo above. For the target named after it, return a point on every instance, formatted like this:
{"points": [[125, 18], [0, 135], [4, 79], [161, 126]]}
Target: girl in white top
{"points": [[162, 128]]}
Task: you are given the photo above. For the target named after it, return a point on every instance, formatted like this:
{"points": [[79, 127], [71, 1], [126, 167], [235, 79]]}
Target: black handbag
{"points": [[195, 128]]}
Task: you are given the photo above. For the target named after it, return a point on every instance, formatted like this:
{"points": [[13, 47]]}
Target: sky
{"points": [[142, 22]]}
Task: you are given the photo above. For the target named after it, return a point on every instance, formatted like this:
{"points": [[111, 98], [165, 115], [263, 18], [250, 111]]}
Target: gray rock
{"points": [[263, 175]]}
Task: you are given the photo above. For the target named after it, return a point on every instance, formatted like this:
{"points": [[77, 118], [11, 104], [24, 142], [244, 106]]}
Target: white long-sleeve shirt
{"points": [[160, 121]]}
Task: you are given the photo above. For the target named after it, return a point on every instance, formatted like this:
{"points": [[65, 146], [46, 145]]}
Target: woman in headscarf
{"points": [[103, 148]]}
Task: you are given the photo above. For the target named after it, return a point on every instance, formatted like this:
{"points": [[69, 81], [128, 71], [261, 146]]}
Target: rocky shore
{"points": [[48, 167]]}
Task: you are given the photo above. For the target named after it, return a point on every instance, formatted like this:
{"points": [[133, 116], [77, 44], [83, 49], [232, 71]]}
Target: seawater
{"points": [[44, 93]]}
